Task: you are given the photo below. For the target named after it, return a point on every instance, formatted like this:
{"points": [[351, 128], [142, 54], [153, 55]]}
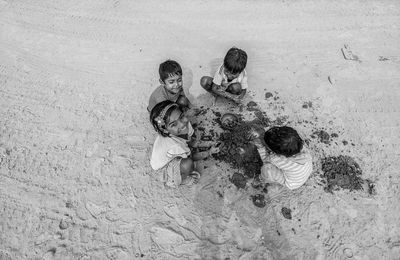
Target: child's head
{"points": [[234, 62], [283, 140], [168, 119], [171, 76]]}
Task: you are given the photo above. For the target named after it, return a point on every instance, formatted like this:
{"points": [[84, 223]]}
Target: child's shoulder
{"points": [[220, 69], [157, 91], [156, 97], [164, 141]]}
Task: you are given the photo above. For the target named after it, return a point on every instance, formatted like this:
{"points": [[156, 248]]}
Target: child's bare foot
{"points": [[191, 179]]}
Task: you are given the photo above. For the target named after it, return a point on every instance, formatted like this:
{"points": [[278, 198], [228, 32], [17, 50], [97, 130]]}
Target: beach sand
{"points": [[75, 139]]}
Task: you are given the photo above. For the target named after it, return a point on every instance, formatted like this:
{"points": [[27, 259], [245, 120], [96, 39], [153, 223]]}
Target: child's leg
{"points": [[206, 82], [186, 167], [234, 88], [272, 174]]}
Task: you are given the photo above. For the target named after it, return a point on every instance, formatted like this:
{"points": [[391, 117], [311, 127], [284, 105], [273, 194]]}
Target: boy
{"points": [[171, 86], [285, 159], [230, 80]]}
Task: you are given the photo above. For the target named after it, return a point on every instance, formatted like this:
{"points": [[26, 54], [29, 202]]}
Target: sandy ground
{"points": [[75, 77]]}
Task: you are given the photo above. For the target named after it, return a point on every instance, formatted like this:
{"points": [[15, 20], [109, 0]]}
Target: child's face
{"points": [[178, 123], [230, 75], [173, 83]]}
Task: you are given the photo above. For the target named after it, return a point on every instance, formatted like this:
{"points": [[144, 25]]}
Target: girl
{"points": [[171, 152]]}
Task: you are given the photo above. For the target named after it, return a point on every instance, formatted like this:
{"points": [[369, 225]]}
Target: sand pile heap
{"points": [[237, 150], [341, 172]]}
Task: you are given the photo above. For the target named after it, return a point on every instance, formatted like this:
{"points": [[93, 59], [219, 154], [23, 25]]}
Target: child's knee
{"points": [[206, 82], [235, 88], [183, 101], [187, 166]]}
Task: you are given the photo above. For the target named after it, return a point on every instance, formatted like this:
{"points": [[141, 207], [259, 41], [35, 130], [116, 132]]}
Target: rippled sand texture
{"points": [[75, 78]]}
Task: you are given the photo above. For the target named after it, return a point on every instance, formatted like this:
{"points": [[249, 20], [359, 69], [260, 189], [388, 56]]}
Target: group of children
{"points": [[286, 160]]}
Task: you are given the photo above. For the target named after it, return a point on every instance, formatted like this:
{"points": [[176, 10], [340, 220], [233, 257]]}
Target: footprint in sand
{"points": [[173, 211]]}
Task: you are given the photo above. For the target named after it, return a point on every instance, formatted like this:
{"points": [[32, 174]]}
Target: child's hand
{"points": [[236, 99], [255, 133], [214, 149], [193, 112]]}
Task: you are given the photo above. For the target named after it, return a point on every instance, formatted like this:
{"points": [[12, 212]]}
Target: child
{"points": [[286, 160], [171, 86], [171, 152], [230, 80]]}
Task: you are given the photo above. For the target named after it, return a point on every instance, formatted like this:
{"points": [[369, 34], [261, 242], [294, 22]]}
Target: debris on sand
{"points": [[262, 119], [268, 95], [307, 104], [323, 136], [371, 187], [252, 106], [259, 200], [239, 180], [348, 54], [237, 150], [229, 121], [381, 58], [341, 172], [286, 213]]}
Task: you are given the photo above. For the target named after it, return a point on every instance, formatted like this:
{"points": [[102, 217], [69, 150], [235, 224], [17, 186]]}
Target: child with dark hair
{"points": [[286, 160], [171, 86], [171, 152], [230, 80]]}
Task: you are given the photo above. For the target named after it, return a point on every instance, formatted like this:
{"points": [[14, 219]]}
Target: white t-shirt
{"points": [[167, 148], [221, 79]]}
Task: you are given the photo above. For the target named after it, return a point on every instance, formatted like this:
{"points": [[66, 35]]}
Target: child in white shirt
{"points": [[286, 160], [230, 79], [171, 152]]}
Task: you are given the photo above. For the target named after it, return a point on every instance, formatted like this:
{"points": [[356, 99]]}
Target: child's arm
{"points": [[255, 136], [204, 155], [200, 155], [243, 84], [218, 91], [263, 151]]}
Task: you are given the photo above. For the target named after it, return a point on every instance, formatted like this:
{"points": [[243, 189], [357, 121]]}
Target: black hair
{"points": [[168, 68], [235, 60], [283, 140], [156, 111]]}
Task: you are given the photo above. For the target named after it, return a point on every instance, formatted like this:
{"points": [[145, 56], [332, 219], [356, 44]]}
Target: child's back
{"points": [[295, 170], [286, 160]]}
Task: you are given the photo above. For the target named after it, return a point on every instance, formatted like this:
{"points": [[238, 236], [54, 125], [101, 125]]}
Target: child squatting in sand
{"points": [[171, 151], [230, 79], [286, 160], [171, 87]]}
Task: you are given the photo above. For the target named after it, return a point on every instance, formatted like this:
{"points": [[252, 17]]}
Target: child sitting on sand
{"points": [[171, 86], [230, 80], [171, 152], [286, 160]]}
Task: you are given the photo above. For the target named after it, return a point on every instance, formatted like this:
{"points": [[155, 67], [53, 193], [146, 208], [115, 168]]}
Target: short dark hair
{"points": [[156, 111], [168, 68], [283, 140], [235, 60]]}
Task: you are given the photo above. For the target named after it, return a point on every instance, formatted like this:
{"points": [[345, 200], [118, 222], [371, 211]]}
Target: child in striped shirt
{"points": [[286, 160]]}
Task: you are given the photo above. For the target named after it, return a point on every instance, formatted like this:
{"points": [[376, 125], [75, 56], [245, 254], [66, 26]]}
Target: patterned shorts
{"points": [[172, 173]]}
